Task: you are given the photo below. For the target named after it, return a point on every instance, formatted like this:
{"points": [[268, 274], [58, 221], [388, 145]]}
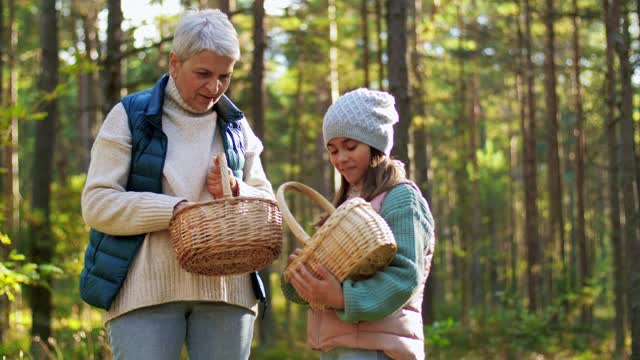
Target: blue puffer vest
{"points": [[107, 258]]}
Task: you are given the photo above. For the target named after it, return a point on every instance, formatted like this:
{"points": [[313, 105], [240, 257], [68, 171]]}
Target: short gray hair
{"points": [[208, 29]]}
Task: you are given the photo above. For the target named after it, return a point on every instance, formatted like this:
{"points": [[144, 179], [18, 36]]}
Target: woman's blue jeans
{"points": [[209, 330]]}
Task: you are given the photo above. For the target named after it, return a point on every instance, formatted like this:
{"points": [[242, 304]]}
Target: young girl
{"points": [[379, 317]]}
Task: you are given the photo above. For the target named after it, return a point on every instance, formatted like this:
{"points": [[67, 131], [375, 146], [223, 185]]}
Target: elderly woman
{"points": [[153, 155]]}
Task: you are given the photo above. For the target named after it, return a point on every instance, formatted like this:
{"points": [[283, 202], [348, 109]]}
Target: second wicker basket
{"points": [[354, 242]]}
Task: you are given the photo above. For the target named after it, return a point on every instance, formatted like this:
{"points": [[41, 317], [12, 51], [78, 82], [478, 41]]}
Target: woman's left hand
{"points": [[214, 180], [322, 290]]}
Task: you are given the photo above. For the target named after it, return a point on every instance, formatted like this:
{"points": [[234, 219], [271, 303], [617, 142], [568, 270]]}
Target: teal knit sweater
{"points": [[409, 217]]}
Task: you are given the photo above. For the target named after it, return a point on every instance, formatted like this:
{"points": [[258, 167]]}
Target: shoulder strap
{"points": [[377, 201]]}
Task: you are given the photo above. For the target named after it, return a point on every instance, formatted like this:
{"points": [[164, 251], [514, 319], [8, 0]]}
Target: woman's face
{"points": [[350, 157], [202, 78]]}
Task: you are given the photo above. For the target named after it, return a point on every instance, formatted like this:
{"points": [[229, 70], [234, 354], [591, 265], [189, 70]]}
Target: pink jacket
{"points": [[400, 335]]}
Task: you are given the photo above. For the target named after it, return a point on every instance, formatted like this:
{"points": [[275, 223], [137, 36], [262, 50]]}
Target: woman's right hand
{"points": [[214, 180], [179, 206]]}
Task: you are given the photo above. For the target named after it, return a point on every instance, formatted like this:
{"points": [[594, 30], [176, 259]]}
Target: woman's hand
{"points": [[214, 181], [321, 290], [180, 205]]}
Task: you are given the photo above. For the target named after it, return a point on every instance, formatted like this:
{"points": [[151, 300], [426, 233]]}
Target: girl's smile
{"points": [[350, 157]]}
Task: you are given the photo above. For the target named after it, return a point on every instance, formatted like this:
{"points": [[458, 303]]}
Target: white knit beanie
{"points": [[364, 115]]}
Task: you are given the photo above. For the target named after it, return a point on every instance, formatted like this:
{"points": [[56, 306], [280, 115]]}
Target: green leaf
{"points": [[4, 239], [16, 256]]}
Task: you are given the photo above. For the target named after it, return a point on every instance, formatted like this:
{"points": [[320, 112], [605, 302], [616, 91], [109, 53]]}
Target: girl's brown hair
{"points": [[383, 174]]}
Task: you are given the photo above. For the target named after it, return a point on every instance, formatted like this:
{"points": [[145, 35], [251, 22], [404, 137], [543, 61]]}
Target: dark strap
{"points": [[259, 291]]}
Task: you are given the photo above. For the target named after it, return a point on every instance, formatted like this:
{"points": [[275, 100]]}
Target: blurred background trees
{"points": [[520, 122]]}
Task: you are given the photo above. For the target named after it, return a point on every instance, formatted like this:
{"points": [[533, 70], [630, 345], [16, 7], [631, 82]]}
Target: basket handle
{"points": [[296, 229], [224, 173]]}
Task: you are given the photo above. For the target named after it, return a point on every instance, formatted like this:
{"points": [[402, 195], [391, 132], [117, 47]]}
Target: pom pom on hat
{"points": [[364, 115]]}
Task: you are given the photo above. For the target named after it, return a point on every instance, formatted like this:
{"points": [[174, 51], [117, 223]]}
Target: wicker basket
{"points": [[354, 242], [227, 236]]}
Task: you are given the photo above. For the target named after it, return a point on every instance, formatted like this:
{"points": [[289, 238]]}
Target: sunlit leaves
{"points": [[4, 239], [15, 271]]}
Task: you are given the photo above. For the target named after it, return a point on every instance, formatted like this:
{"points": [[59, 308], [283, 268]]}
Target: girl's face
{"points": [[202, 78], [350, 157]]}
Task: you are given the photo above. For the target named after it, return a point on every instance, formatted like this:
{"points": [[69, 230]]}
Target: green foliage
{"points": [[15, 271], [458, 40], [516, 334], [435, 335], [284, 351], [12, 275], [68, 343]]}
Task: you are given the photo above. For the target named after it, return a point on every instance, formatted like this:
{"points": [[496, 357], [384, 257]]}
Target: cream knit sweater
{"points": [[155, 277]]}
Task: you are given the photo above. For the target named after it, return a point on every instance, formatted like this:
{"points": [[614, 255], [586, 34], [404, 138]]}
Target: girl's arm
{"points": [[374, 298]]}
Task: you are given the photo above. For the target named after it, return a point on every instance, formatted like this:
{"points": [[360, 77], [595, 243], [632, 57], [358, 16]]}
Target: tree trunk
{"points": [[462, 195], [580, 152], [266, 323], [292, 173], [611, 18], [324, 170], [627, 177], [334, 83], [333, 52], [478, 241], [421, 144], [41, 241], [229, 7], [83, 119], [112, 74], [530, 176], [476, 216], [12, 210], [399, 76], [82, 96], [556, 219], [82, 12], [5, 164], [522, 107], [92, 78], [364, 9], [379, 53], [637, 129], [257, 71]]}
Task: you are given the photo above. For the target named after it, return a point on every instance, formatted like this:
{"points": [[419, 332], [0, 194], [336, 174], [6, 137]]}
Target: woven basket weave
{"points": [[354, 242], [228, 236]]}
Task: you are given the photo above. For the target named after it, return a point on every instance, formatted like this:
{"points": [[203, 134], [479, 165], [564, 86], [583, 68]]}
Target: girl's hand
{"points": [[214, 180], [321, 290], [293, 256]]}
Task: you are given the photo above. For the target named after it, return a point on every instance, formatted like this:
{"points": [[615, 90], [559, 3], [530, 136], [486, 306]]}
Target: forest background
{"points": [[520, 122]]}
